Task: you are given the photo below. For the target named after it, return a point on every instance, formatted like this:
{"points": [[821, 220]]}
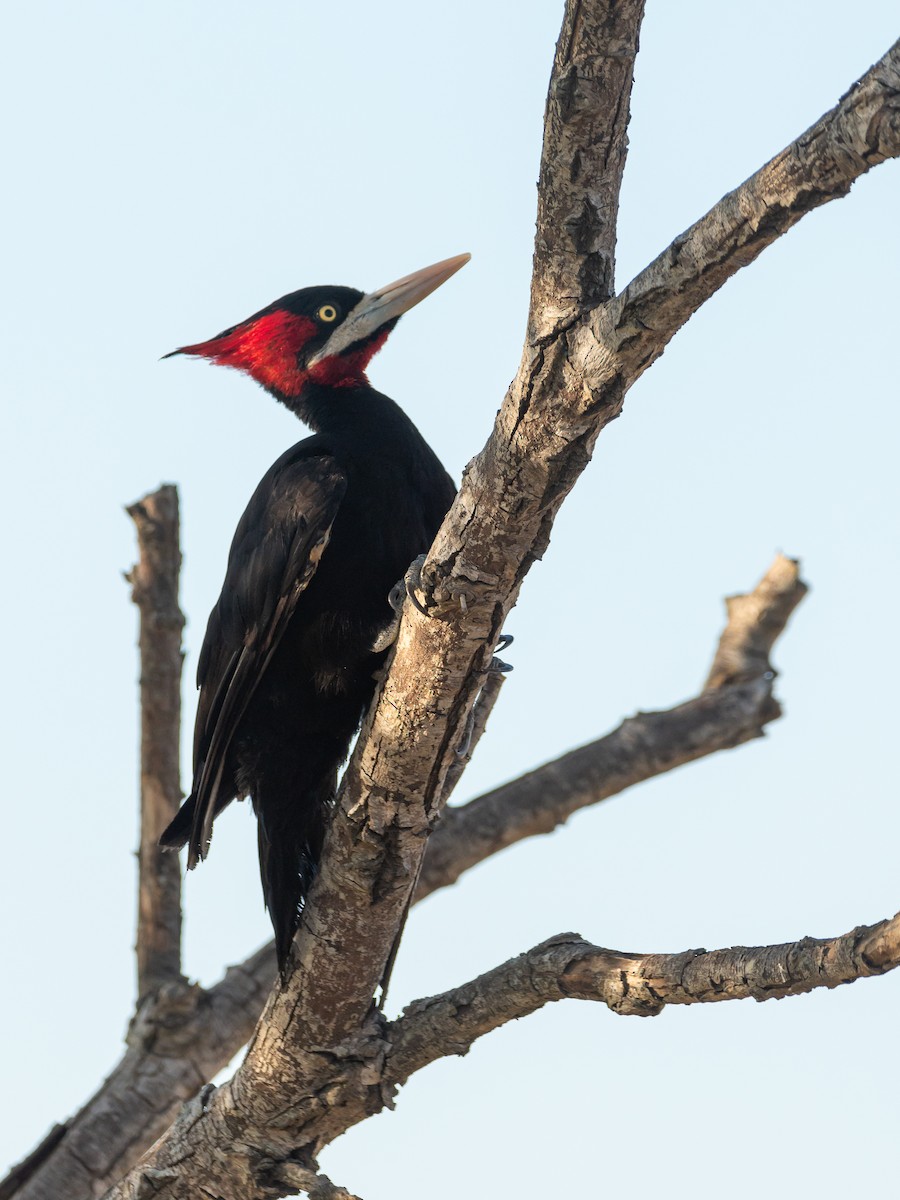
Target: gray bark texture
{"points": [[154, 589], [321, 1057]]}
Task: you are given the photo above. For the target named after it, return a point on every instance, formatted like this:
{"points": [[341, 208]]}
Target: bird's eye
{"points": [[327, 313]]}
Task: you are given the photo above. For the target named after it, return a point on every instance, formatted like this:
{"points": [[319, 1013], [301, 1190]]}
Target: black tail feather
{"points": [[177, 832], [290, 845]]}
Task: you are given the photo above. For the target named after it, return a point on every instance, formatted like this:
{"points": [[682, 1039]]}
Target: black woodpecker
{"points": [[293, 644]]}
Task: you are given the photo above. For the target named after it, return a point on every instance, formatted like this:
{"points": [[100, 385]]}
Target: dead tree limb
{"points": [[154, 589], [755, 621], [582, 161], [735, 706], [359, 1078], [861, 131], [641, 985]]}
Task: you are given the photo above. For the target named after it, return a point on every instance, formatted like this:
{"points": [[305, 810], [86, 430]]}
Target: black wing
{"points": [[274, 554]]}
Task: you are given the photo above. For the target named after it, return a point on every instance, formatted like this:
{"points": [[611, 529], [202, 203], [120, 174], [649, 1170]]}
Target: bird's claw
{"points": [[412, 580], [497, 666], [465, 743], [397, 595], [396, 598]]}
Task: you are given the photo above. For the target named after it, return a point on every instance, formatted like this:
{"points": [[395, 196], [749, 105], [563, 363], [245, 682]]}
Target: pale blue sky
{"points": [[172, 167]]}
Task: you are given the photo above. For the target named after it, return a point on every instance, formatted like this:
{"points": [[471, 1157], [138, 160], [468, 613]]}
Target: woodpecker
{"points": [[297, 636]]}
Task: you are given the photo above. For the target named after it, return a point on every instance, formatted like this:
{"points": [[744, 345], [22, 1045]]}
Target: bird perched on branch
{"points": [[294, 642]]}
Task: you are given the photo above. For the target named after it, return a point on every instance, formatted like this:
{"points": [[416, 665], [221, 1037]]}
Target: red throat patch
{"points": [[266, 349], [346, 370]]}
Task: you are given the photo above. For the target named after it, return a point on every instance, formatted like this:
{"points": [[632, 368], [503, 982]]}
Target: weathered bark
{"points": [[359, 1078], [636, 985], [154, 581], [583, 158], [314, 1184], [755, 622]]}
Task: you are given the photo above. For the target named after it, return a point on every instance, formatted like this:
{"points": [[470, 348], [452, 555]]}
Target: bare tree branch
{"points": [[360, 1077], [583, 157], [568, 388], [755, 622], [862, 130], [737, 703], [643, 746], [640, 985], [154, 581]]}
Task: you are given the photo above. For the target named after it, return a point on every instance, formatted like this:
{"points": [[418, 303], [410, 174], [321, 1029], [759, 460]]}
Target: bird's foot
{"points": [[445, 599], [396, 598]]}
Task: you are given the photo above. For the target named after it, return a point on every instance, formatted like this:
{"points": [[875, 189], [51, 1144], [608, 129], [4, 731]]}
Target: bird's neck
{"points": [[355, 410]]}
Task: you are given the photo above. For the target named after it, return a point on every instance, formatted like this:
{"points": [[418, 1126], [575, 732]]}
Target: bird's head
{"points": [[324, 335]]}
